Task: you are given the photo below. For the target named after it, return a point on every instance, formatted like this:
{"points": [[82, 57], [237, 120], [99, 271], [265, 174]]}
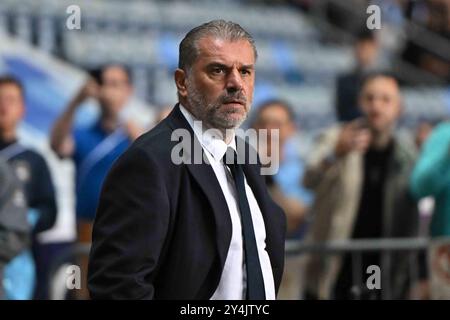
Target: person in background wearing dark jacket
{"points": [[29, 166], [348, 84], [14, 227]]}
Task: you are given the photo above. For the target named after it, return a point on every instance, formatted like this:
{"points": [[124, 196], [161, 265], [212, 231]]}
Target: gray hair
{"points": [[221, 29]]}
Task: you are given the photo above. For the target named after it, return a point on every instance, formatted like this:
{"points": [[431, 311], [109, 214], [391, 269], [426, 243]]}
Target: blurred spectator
{"points": [[285, 186], [163, 113], [434, 15], [304, 5], [423, 130], [426, 205], [14, 228], [431, 177], [346, 15], [348, 85], [359, 172], [95, 148], [31, 169]]}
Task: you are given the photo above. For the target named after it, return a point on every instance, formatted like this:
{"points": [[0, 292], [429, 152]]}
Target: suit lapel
{"points": [[207, 180], [204, 174]]}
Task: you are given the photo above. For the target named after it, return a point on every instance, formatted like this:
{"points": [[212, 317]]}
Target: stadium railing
{"points": [[294, 249]]}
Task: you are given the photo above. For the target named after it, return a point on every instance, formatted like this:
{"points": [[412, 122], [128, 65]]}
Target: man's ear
{"points": [[180, 82]]}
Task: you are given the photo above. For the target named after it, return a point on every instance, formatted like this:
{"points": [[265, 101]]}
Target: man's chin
{"points": [[379, 128], [228, 123]]}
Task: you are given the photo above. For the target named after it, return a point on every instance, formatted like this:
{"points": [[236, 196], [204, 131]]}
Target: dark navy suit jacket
{"points": [[162, 230]]}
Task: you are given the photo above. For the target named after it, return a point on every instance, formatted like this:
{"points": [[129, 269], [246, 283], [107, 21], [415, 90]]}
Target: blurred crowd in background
{"points": [[362, 118]]}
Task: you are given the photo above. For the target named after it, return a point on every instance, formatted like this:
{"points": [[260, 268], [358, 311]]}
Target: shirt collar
{"points": [[209, 140]]}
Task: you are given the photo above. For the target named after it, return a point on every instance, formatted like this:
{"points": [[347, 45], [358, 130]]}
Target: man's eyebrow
{"points": [[216, 64], [223, 65], [248, 66]]}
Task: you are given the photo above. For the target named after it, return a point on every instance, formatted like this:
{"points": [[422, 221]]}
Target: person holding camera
{"points": [[359, 172], [95, 148]]}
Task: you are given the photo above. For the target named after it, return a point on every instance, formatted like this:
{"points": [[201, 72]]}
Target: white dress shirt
{"points": [[232, 283]]}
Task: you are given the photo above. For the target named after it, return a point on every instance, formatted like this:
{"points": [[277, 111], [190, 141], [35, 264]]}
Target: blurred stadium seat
{"points": [[145, 35]]}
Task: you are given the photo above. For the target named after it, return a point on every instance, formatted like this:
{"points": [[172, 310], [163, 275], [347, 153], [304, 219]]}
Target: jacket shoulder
{"points": [[330, 134], [156, 144], [405, 149]]}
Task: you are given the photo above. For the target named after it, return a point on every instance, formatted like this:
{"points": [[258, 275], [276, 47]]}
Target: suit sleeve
{"points": [[130, 229]]}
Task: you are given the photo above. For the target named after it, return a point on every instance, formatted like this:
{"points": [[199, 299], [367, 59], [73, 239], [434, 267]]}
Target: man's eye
{"points": [[245, 72], [369, 97], [217, 70]]}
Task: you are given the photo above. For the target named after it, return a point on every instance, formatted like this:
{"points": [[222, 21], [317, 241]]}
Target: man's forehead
{"points": [[213, 48], [9, 87], [114, 71], [382, 85], [274, 109]]}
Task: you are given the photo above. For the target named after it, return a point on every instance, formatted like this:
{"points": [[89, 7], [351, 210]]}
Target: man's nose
{"points": [[377, 105], [234, 81]]}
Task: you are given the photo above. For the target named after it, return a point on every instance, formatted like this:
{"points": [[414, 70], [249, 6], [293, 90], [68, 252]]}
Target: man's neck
{"points": [[109, 122], [228, 135], [381, 140], [8, 136]]}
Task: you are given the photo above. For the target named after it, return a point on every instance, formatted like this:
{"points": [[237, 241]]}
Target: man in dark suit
{"points": [[171, 227]]}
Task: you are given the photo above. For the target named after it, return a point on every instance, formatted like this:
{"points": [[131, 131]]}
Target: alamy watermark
{"points": [[250, 145], [73, 277], [374, 280], [73, 21], [374, 19]]}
